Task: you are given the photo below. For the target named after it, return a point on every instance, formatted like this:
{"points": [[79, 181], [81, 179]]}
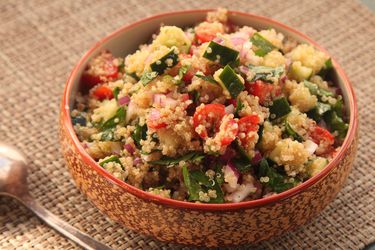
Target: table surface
{"points": [[40, 41]]}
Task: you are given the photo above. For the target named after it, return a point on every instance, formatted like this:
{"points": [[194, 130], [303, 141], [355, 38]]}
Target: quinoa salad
{"points": [[213, 113]]}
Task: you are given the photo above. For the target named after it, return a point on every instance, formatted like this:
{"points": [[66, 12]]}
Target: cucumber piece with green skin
{"points": [[119, 118], [231, 82], [222, 54], [263, 45], [318, 111], [326, 70], [167, 61], [299, 72], [279, 108], [335, 123], [292, 133], [316, 90], [264, 73], [316, 166]]}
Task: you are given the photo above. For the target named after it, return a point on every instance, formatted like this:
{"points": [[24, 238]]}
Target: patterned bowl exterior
{"points": [[200, 227], [199, 224]]}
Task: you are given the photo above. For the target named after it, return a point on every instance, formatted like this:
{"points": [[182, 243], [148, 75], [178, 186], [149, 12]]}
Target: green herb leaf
{"points": [[264, 73], [147, 77], [239, 107], [140, 133], [335, 123], [318, 111], [207, 78], [113, 158], [192, 186], [290, 132], [107, 135], [116, 91], [119, 118], [263, 45], [316, 90], [277, 182], [194, 157]]}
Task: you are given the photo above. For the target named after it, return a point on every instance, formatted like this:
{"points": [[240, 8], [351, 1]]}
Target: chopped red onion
{"points": [[137, 161], [310, 146], [244, 69], [257, 158], [322, 124], [283, 79], [229, 109], [228, 154], [218, 40], [154, 114], [124, 100], [237, 41], [242, 192], [128, 147], [159, 99], [231, 167]]}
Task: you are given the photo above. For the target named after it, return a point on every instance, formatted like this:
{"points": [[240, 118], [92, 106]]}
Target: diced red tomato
{"points": [[153, 120], [184, 97], [100, 69], [247, 124], [210, 117], [156, 124], [230, 127], [103, 92], [206, 32], [323, 138], [260, 89], [319, 134], [233, 102]]}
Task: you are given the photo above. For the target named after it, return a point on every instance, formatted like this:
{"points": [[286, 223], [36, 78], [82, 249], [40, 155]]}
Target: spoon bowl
{"points": [[13, 183]]}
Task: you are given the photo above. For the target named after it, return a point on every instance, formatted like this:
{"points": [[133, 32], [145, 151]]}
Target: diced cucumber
{"points": [[119, 118], [167, 61], [299, 72], [279, 108], [290, 132], [316, 90], [231, 81], [335, 123], [264, 73], [316, 166], [319, 110], [147, 77], [222, 54], [263, 45]]}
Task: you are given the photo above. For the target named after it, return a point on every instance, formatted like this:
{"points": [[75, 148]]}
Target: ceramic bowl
{"points": [[190, 223]]}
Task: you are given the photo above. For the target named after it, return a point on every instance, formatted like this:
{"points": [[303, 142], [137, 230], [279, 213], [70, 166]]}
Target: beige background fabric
{"points": [[40, 41]]}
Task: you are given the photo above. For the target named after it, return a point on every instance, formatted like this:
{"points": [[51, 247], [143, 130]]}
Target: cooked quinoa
{"points": [[213, 113]]}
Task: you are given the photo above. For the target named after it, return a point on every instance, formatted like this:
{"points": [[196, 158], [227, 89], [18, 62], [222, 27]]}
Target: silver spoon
{"points": [[13, 183]]}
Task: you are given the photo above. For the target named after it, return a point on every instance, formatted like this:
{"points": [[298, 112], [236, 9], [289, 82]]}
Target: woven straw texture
{"points": [[40, 41]]}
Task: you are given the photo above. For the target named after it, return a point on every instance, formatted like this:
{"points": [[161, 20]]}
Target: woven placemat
{"points": [[40, 41]]}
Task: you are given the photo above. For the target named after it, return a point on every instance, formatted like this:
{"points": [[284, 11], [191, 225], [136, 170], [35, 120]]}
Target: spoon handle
{"points": [[61, 226]]}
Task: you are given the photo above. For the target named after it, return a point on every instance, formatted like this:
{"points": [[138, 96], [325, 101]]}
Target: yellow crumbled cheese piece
{"points": [[105, 111], [309, 57], [274, 59], [273, 37], [172, 36], [291, 154], [300, 96], [316, 166], [271, 135]]}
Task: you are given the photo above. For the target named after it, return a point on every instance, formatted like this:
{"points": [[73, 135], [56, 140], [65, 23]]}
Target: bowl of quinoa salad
{"points": [[224, 111]]}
